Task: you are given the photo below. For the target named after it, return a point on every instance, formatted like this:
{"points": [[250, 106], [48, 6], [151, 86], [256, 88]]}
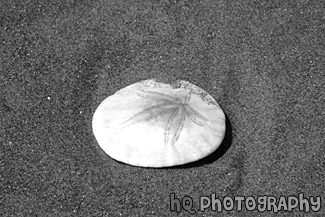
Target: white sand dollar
{"points": [[153, 124]]}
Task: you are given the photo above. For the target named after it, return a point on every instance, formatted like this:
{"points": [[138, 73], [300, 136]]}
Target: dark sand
{"points": [[262, 60]]}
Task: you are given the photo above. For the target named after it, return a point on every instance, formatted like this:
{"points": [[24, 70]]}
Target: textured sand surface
{"points": [[263, 61]]}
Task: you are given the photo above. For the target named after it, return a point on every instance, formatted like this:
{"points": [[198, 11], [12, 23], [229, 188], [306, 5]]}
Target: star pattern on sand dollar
{"points": [[175, 107]]}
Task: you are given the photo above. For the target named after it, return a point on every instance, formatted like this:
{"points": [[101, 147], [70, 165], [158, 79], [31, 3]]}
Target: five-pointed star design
{"points": [[175, 107]]}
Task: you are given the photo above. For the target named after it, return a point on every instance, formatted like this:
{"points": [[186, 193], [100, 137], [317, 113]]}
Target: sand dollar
{"points": [[153, 124]]}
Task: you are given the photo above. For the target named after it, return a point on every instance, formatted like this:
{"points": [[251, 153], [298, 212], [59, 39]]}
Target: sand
{"points": [[263, 62]]}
